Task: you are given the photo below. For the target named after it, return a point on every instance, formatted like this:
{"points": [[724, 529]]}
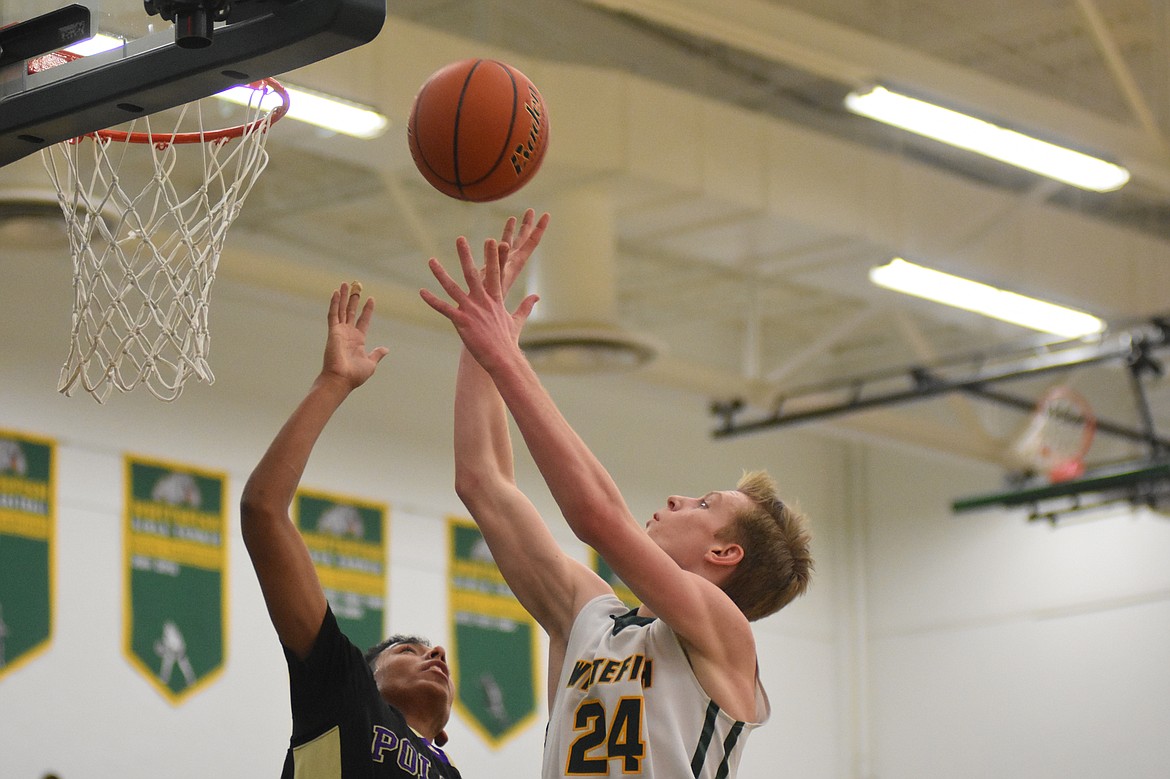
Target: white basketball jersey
{"points": [[628, 704]]}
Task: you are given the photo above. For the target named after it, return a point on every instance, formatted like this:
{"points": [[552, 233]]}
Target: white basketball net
{"points": [[145, 252], [1058, 435]]}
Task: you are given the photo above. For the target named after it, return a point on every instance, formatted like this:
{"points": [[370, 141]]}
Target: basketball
{"points": [[478, 130]]}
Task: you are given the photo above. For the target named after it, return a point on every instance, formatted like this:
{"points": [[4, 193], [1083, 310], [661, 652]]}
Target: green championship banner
{"points": [[602, 569], [27, 519], [175, 557], [347, 541], [494, 641]]}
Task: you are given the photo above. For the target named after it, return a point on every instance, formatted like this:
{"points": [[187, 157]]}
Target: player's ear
{"points": [[725, 554]]}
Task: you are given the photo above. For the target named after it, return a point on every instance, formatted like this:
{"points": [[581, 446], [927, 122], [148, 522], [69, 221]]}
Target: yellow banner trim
{"points": [[182, 552], [351, 581], [27, 525], [474, 569], [488, 605], [19, 485], [344, 547]]}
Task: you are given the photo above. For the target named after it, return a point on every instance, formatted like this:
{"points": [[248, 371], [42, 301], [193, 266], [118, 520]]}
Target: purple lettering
{"points": [[408, 758], [385, 740]]}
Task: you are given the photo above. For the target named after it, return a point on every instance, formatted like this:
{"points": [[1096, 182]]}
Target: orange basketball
{"points": [[478, 130]]}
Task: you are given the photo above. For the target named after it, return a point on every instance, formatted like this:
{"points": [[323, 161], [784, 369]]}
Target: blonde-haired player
{"points": [[670, 689]]}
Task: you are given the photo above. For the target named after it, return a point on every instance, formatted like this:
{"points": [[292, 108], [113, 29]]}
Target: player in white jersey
{"points": [[652, 699], [626, 694]]}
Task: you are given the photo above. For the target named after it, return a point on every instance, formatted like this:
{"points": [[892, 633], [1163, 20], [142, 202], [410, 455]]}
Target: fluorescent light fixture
{"points": [[95, 45], [305, 105], [967, 132], [322, 110], [903, 276]]}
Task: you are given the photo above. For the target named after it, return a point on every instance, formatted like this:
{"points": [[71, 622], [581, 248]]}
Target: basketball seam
{"points": [[412, 129], [459, 182], [458, 118]]}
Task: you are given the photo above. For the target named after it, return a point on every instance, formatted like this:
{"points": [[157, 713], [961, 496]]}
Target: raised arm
{"points": [[715, 632], [292, 591], [548, 583]]}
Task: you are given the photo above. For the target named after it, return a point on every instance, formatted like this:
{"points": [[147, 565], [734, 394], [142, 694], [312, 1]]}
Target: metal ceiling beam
{"points": [[1028, 405], [971, 374], [838, 53], [1120, 71], [962, 407], [1145, 484]]}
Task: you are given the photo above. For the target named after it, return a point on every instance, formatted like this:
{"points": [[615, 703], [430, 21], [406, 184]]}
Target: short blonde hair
{"points": [[776, 565]]}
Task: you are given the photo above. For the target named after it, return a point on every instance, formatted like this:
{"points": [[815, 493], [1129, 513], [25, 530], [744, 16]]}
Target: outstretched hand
{"points": [[515, 249], [479, 314], [346, 357]]}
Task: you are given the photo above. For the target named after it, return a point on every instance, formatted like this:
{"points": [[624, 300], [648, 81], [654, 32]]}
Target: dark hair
{"points": [[398, 638]]}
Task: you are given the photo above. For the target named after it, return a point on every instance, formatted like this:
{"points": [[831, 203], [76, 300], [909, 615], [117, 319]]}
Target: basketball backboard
{"points": [[155, 64]]}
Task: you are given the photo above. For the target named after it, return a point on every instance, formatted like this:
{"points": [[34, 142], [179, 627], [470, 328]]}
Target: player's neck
{"points": [[425, 724]]}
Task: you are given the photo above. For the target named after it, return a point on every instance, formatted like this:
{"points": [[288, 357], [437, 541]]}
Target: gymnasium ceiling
{"points": [[707, 137]]}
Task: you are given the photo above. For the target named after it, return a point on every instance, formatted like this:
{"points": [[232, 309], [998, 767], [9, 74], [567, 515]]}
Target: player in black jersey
{"points": [[378, 715]]}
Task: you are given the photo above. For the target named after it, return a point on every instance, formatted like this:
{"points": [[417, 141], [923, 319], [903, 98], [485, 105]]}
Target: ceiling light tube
{"points": [[321, 110], [977, 135], [95, 45], [903, 276]]}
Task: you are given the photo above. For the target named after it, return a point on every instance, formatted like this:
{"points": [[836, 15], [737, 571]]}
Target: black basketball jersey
{"points": [[342, 727]]}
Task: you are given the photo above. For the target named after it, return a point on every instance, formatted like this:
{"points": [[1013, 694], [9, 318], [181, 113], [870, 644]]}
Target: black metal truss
{"points": [[974, 375], [1140, 484]]}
